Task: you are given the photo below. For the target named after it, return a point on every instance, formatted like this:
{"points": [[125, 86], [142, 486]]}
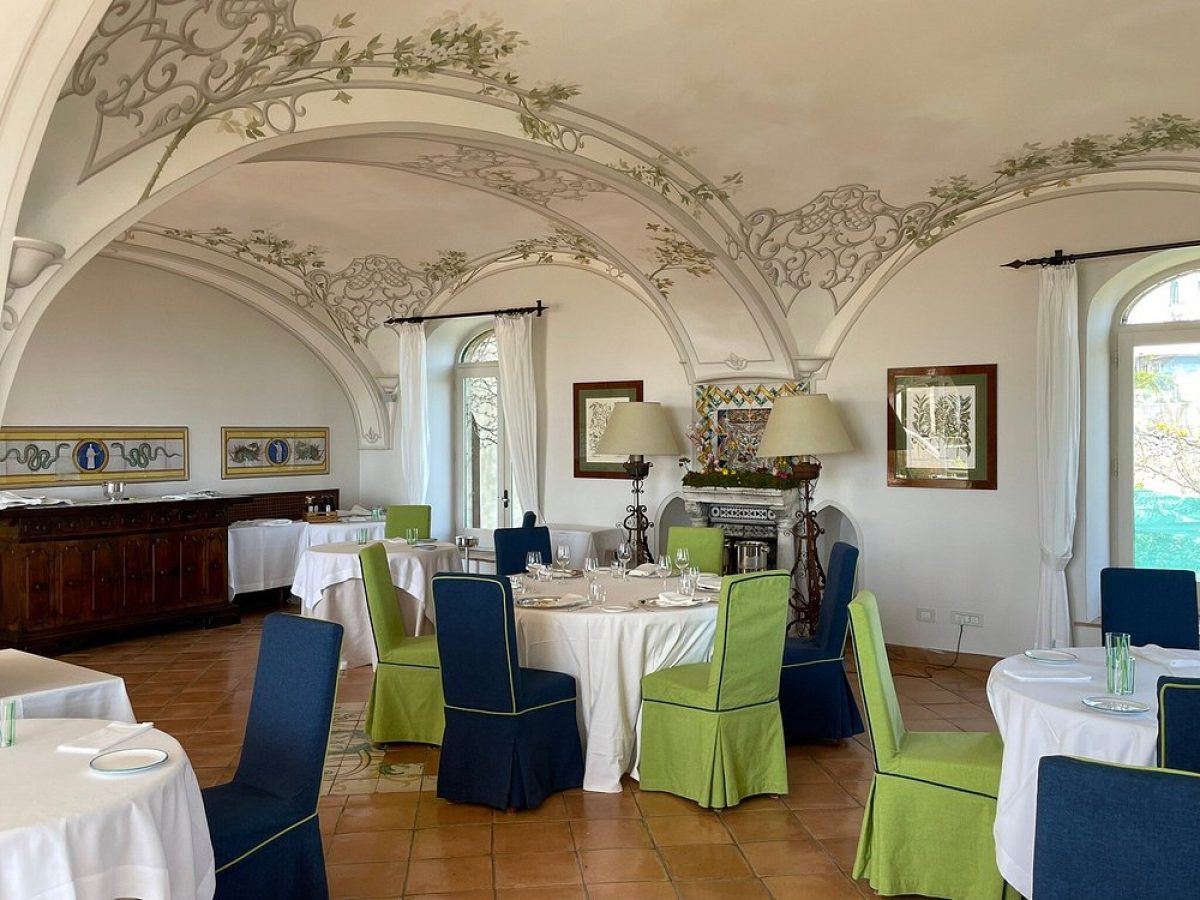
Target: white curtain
{"points": [[413, 395], [518, 398], [1057, 446]]}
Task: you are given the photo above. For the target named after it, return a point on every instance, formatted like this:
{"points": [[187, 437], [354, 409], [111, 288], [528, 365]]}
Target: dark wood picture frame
{"points": [[589, 397], [941, 427]]}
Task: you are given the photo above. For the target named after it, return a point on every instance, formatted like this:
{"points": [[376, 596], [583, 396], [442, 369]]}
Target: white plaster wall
{"points": [[126, 344], [595, 331], [975, 550]]}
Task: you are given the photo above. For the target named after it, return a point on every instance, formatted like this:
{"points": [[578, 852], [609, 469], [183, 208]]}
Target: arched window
{"points": [[483, 487], [1157, 392]]}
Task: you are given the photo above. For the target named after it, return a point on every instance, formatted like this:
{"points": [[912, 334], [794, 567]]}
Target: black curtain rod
{"points": [[1061, 259], [511, 311]]}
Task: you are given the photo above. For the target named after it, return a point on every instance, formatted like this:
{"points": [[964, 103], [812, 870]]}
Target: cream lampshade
{"points": [[639, 429], [804, 425]]}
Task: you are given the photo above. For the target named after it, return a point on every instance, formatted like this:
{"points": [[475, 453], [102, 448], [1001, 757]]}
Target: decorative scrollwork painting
{"points": [[259, 452], [942, 427], [46, 457]]}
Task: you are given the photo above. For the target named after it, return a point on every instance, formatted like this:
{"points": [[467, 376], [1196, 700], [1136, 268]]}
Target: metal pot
{"points": [[114, 490]]}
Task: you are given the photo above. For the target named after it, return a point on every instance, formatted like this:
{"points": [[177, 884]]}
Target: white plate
{"points": [[128, 759], [1052, 657], [615, 608], [1116, 705], [550, 602]]}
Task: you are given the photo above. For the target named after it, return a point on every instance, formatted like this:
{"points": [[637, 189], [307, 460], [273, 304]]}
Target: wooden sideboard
{"points": [[70, 573]]}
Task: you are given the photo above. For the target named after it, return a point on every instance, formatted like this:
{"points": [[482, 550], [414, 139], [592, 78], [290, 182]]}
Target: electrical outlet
{"points": [[924, 614], [967, 618]]}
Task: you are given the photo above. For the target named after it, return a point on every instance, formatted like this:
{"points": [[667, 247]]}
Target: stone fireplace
{"points": [[760, 514]]}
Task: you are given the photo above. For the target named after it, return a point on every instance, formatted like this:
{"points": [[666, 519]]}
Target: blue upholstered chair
{"points": [[814, 695], [513, 543], [263, 824], [1152, 606], [511, 736], [529, 519], [1110, 832], [1179, 723]]}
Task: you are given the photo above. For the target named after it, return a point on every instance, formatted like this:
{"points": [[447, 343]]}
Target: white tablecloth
{"points": [[329, 584], [587, 540], [263, 556], [608, 653], [49, 689], [1039, 719], [67, 833], [342, 532]]}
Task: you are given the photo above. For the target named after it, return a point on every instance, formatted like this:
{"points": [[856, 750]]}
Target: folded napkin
{"points": [[645, 570], [1027, 673], [1169, 657], [192, 495], [709, 582], [674, 598], [102, 739], [10, 498], [357, 510]]}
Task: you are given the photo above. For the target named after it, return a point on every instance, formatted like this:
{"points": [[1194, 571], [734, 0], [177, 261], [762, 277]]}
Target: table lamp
{"points": [[805, 425], [639, 430]]}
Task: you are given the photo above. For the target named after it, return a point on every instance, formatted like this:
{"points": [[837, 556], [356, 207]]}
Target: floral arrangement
{"points": [[778, 474]]}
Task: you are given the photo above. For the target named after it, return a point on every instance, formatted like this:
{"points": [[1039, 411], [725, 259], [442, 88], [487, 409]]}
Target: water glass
{"points": [[615, 570], [518, 584], [1118, 663], [562, 555], [410, 535], [591, 568], [377, 513], [361, 535], [533, 561], [596, 594], [544, 572], [8, 721], [687, 581]]}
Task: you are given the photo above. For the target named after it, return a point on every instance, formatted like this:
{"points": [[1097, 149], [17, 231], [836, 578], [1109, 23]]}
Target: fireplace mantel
{"points": [[775, 506]]}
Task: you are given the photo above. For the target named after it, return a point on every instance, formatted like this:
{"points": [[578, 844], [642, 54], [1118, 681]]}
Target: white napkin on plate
{"points": [[645, 570], [273, 523], [674, 598], [1169, 657], [709, 582], [1028, 673], [102, 739]]}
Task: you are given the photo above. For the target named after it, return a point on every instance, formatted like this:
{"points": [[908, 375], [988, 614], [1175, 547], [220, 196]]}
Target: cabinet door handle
{"points": [[73, 582], [38, 586]]}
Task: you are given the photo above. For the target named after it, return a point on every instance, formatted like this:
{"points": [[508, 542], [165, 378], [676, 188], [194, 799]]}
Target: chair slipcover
{"points": [[406, 693], [263, 824], [1113, 832], [529, 519], [1179, 723], [814, 693], [400, 518], [705, 546], [513, 543], [712, 731], [512, 737], [927, 828], [1152, 606]]}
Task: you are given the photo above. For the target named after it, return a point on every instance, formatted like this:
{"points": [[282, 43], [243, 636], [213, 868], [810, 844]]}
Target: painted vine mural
{"points": [[246, 67]]}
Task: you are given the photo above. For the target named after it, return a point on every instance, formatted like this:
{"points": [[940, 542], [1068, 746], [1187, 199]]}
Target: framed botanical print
{"points": [[594, 402], [942, 427]]}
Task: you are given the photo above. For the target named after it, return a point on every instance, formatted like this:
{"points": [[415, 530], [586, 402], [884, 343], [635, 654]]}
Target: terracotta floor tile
{"points": [[439, 876], [607, 834], [524, 870], [806, 771], [796, 857], [552, 809], [369, 879], [654, 803], [843, 851], [433, 811], [588, 805], [686, 863], [523, 837], [609, 866], [821, 796], [812, 887], [452, 840], [368, 846], [831, 823], [763, 826], [636, 890], [670, 830], [859, 790], [453, 895], [721, 889], [375, 818], [848, 769], [551, 892]]}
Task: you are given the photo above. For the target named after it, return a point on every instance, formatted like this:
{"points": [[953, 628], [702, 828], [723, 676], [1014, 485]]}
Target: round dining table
{"points": [[1040, 712], [329, 584], [45, 688], [608, 649], [67, 831], [340, 532]]}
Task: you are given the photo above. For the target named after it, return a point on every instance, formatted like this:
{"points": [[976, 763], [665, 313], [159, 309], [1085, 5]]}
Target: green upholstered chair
{"points": [[705, 546], [927, 828], [406, 695], [400, 518], [712, 731]]}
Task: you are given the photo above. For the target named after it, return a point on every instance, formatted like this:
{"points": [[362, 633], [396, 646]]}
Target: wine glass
{"points": [[624, 555], [662, 568], [682, 558], [533, 561], [562, 554], [591, 568]]}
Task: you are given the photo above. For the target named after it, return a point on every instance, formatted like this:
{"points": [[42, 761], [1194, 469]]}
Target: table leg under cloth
{"points": [[346, 603]]}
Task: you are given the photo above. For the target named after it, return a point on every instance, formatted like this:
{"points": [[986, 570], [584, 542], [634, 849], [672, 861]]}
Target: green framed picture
{"points": [[594, 402], [942, 427]]}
